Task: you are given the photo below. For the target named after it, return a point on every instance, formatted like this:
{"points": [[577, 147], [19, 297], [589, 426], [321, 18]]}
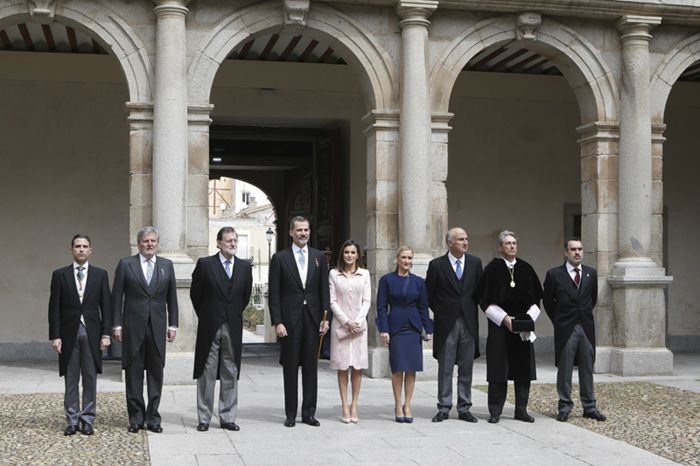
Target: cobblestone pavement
{"points": [[662, 420], [31, 433]]}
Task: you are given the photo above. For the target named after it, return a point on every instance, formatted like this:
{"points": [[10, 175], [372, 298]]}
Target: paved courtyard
{"points": [[376, 439]]}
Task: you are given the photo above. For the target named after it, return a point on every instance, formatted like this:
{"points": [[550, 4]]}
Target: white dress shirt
{"points": [[305, 268], [80, 284]]}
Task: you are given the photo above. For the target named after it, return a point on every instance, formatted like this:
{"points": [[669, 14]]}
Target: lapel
{"points": [[70, 283], [310, 267], [450, 273], [586, 280], [220, 273], [568, 283], [236, 273], [135, 266], [90, 283], [291, 262]]}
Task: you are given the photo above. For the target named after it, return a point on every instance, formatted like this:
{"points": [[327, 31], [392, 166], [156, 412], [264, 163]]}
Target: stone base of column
{"points": [[379, 364], [641, 361], [183, 264], [602, 359], [420, 264]]}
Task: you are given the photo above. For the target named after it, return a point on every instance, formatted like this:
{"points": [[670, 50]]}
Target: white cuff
{"points": [[534, 312], [528, 336], [495, 314], [172, 328]]}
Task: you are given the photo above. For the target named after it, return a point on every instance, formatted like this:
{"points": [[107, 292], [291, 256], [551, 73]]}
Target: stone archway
{"points": [[578, 60], [374, 68], [674, 63], [113, 33]]}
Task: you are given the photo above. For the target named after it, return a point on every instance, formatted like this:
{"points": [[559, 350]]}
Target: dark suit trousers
{"points": [[149, 359], [299, 348], [82, 363], [579, 347], [497, 396], [458, 349]]}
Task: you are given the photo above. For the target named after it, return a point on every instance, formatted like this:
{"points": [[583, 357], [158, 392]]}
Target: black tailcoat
{"points": [[449, 298], [217, 299], [567, 305]]}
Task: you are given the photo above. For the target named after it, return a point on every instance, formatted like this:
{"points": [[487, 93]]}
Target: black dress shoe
{"points": [[290, 423], [595, 414], [155, 429], [493, 419], [310, 421], [563, 417], [467, 416], [202, 427], [70, 430], [523, 416], [441, 416], [87, 429], [134, 428], [230, 426]]}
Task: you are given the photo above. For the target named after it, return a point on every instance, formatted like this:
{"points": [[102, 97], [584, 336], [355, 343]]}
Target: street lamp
{"points": [[270, 234]]}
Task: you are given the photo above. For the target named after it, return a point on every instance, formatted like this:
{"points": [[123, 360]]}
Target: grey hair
{"points": [[502, 236], [449, 236], [146, 231], [297, 219]]}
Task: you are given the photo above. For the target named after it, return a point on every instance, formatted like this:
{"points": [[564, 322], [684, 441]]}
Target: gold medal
{"points": [[512, 277], [512, 284]]}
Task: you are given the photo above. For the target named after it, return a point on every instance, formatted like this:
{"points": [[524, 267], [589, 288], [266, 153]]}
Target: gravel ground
{"points": [[31, 433], [659, 419]]}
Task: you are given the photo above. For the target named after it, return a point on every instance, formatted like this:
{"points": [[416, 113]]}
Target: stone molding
{"points": [[657, 133], [635, 28], [140, 112], [381, 119], [415, 12], [295, 12], [527, 25], [42, 9], [171, 7], [441, 122], [598, 131], [199, 115]]}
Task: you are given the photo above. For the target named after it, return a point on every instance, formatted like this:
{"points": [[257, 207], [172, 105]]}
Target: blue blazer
{"points": [[401, 299]]}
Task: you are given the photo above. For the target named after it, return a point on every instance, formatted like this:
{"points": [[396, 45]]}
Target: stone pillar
{"points": [[438, 190], [599, 143], [638, 282], [415, 131], [382, 218], [198, 180], [140, 168], [170, 130]]}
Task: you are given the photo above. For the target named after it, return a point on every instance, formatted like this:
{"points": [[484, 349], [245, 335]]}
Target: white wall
{"points": [[64, 168]]}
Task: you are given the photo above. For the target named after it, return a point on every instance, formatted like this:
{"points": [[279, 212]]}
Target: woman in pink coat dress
{"points": [[350, 293]]}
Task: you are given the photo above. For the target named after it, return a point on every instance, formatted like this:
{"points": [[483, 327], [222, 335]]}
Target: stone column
{"points": [[170, 130], [382, 217], [140, 168], [599, 143], [438, 165], [415, 131], [638, 282], [198, 180]]}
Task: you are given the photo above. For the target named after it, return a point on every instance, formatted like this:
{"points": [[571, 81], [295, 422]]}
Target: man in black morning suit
{"points": [[144, 298], [220, 291], [451, 281], [298, 297], [80, 317], [570, 294]]}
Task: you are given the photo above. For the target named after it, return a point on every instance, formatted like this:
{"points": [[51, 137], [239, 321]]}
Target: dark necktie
{"points": [[577, 277]]}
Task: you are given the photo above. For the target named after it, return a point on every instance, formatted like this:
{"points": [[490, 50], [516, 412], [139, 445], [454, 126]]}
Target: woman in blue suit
{"points": [[402, 315]]}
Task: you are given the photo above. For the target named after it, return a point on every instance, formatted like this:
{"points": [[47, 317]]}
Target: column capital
{"points": [[636, 27], [441, 122], [140, 112], [199, 115], [415, 12], [170, 7], [381, 119]]}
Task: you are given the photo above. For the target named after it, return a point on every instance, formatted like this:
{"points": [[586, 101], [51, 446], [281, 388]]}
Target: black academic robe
{"points": [[507, 356]]}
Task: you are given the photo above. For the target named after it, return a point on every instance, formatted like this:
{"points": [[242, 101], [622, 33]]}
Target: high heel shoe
{"points": [[400, 419], [406, 419]]}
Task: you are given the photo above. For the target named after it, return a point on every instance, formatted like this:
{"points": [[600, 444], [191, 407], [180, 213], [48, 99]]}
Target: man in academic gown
{"points": [[144, 298], [80, 318], [451, 282], [509, 293], [570, 293], [298, 298], [220, 291]]}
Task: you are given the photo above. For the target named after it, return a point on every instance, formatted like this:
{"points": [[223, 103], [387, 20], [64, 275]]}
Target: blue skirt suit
{"points": [[402, 312]]}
